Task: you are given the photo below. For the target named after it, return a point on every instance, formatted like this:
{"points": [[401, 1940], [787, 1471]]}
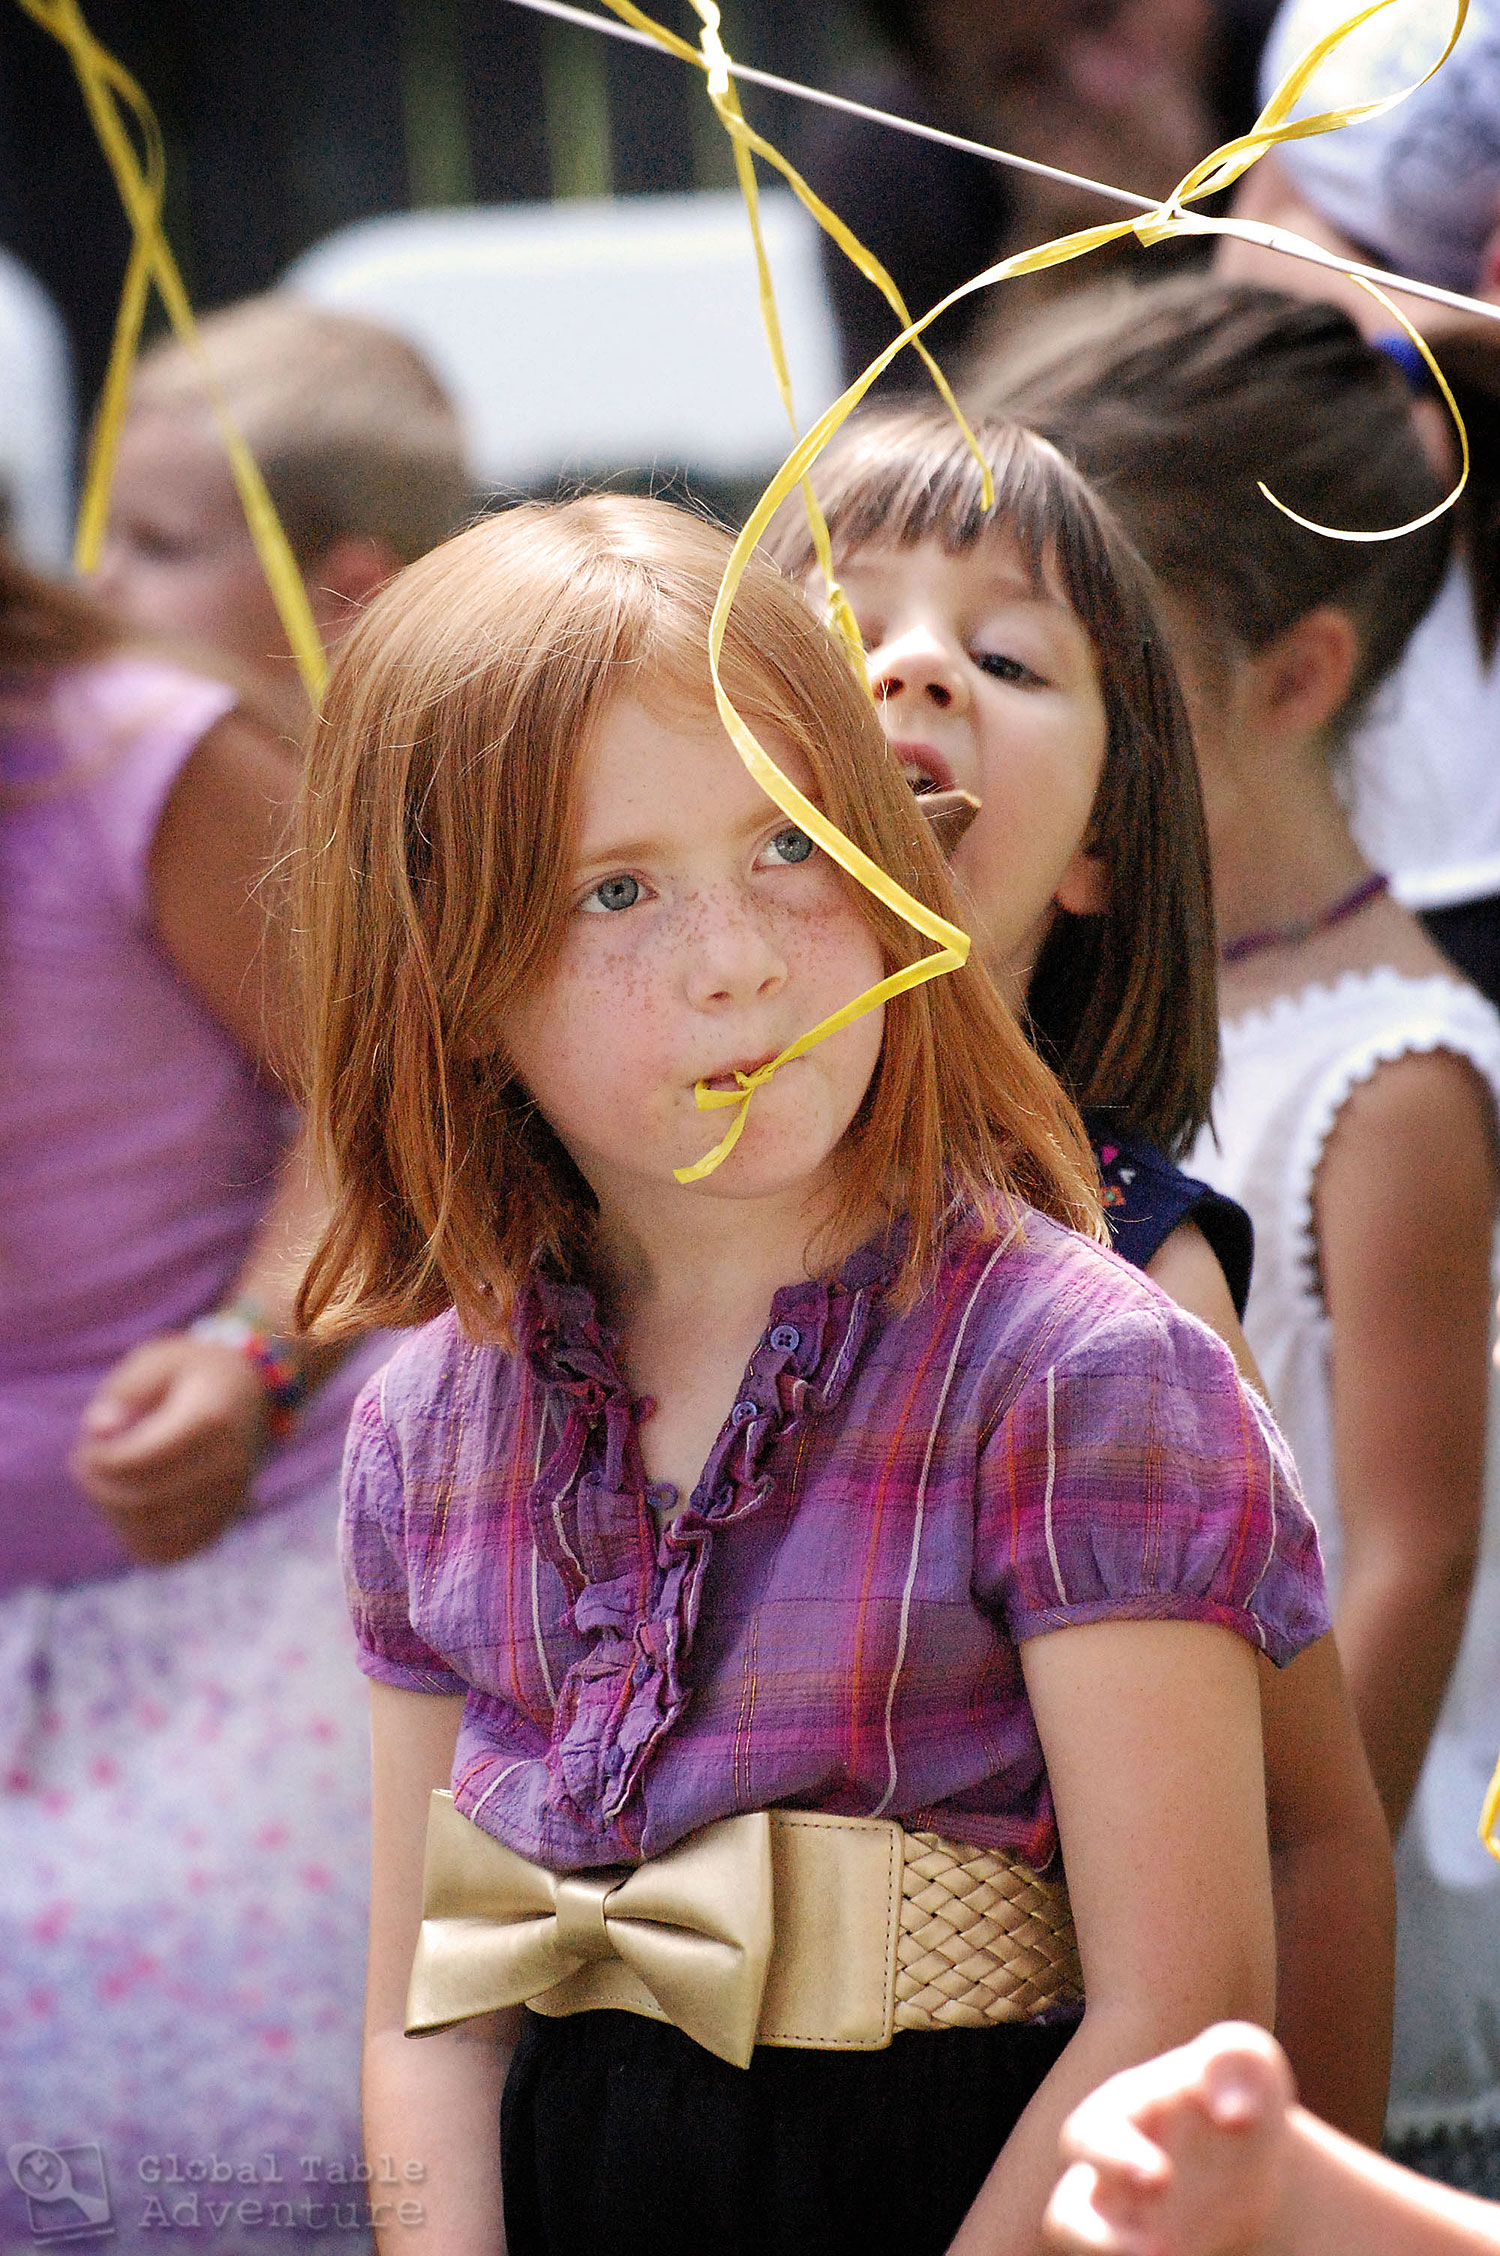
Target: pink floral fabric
{"points": [[184, 1842]]}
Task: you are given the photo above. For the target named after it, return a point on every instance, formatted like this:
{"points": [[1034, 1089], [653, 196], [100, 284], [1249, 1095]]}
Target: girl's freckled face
{"points": [[986, 680], [705, 934]]}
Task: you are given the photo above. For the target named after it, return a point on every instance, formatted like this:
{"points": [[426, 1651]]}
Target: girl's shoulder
{"points": [[1043, 1254], [1378, 1010], [436, 1375], [1125, 1463], [1043, 1295], [1291, 1067], [1007, 1306], [100, 747], [1407, 1070], [125, 710]]}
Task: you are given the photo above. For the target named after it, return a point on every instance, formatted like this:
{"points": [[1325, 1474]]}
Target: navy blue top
{"points": [[1146, 1196]]}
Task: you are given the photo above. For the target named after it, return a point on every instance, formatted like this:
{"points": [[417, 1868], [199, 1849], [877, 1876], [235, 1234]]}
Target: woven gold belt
{"points": [[782, 1927]]}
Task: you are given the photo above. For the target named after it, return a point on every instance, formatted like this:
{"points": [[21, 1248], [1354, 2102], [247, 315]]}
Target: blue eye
{"points": [[790, 846], [613, 893], [1001, 668]]}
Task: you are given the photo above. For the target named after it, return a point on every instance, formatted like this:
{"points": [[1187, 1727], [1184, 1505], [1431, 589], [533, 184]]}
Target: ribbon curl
{"points": [[1215, 172], [140, 176]]}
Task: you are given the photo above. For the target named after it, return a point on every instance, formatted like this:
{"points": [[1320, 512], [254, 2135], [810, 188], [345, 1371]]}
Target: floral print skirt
{"points": [[184, 1849]]}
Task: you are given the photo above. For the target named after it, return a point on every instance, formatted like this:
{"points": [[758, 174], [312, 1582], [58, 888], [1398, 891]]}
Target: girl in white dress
{"points": [[1418, 191], [1356, 1109]]}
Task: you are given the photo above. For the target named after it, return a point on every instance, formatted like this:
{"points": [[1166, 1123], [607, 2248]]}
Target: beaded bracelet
{"points": [[241, 1325]]}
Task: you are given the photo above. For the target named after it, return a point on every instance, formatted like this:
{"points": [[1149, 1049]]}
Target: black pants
{"points": [[622, 2135], [1469, 936]]}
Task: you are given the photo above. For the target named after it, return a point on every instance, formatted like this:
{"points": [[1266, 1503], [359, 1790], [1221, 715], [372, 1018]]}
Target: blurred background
{"points": [[288, 124], [285, 121]]}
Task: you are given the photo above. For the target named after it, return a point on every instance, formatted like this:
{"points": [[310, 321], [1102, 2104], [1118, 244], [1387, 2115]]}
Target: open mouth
{"points": [[924, 769]]}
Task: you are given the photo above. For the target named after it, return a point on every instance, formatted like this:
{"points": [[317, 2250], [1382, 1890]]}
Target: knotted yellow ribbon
{"points": [[691, 1930], [1217, 171], [140, 176], [952, 944]]}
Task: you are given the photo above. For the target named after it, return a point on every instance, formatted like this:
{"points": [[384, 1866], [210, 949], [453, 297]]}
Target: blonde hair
{"points": [[353, 432], [434, 867]]}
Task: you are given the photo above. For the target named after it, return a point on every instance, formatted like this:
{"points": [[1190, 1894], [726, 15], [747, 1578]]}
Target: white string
{"points": [[1250, 231], [612, 28]]}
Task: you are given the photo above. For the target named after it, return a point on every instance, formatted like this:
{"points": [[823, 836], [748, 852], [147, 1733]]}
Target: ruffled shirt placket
{"points": [[634, 1585]]}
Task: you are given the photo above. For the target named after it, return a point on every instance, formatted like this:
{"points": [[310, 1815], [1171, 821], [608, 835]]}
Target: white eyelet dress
{"points": [[1286, 1074]]}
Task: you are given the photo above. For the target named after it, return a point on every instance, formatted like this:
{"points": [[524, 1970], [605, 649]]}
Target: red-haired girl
{"points": [[787, 1570]]}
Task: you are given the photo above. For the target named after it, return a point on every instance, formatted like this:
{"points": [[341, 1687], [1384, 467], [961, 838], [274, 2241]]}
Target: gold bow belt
{"points": [[783, 1927]]}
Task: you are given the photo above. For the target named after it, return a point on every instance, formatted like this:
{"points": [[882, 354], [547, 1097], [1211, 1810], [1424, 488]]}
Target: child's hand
{"points": [[169, 1443], [1183, 2156]]}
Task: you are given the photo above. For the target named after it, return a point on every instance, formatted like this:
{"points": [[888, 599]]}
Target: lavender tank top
{"points": [[138, 1147]]}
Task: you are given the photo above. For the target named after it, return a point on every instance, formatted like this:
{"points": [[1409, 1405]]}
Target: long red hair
{"points": [[433, 871]]}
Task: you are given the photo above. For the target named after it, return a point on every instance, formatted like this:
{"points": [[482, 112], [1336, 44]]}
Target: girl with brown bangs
{"points": [[1017, 658], [1358, 1104], [769, 1581]]}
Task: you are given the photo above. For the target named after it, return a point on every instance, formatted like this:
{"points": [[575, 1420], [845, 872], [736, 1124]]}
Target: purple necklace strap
{"points": [[1292, 935]]}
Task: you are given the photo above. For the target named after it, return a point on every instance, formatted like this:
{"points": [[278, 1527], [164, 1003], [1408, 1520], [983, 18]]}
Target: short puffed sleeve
{"points": [[372, 1551], [1136, 1477]]}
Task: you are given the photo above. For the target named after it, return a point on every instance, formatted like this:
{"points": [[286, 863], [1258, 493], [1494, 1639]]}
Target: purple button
{"points": [[786, 1339], [742, 1413]]}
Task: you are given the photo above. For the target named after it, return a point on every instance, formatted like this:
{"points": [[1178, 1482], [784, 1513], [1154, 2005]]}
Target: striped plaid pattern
{"points": [[897, 1502]]}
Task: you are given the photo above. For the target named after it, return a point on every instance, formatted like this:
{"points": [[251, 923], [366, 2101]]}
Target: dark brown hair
{"points": [[44, 625], [1470, 360], [1176, 398], [1122, 1004], [434, 870]]}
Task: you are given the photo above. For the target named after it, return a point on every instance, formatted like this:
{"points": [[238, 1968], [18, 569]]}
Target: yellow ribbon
{"points": [[1217, 171], [106, 84], [1229, 163], [1489, 1816], [140, 176], [746, 144]]}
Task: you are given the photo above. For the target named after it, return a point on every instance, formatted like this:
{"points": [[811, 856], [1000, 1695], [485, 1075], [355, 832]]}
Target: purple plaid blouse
{"points": [[895, 1504]]}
